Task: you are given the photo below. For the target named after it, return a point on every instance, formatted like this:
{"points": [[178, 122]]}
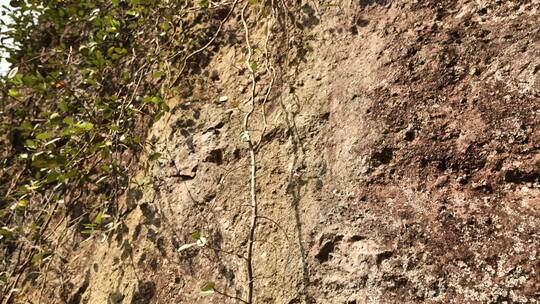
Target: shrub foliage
{"points": [[88, 79]]}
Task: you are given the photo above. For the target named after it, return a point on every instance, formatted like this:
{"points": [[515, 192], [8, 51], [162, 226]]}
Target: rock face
{"points": [[400, 163]]}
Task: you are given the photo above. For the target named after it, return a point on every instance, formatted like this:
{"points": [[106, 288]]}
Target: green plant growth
{"points": [[88, 79]]}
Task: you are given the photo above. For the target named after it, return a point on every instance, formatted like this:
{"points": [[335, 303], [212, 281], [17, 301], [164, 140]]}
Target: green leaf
{"points": [[44, 136], [6, 233], [254, 66], [87, 126], [105, 153], [39, 257], [208, 288], [30, 80], [25, 127], [55, 119], [152, 99], [205, 3], [70, 131], [158, 75], [105, 168], [13, 93], [17, 79], [154, 156], [53, 176], [132, 13], [97, 147], [89, 226], [165, 26], [99, 218], [22, 203], [30, 144], [63, 106], [41, 161], [68, 120], [196, 235]]}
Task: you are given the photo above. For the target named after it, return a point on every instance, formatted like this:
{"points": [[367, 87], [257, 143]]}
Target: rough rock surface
{"points": [[400, 164]]}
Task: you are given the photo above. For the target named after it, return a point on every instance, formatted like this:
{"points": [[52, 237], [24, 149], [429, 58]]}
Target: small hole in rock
{"points": [[325, 251]]}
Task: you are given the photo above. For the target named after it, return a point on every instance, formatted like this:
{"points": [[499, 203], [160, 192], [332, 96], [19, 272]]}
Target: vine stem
{"points": [[253, 164]]}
